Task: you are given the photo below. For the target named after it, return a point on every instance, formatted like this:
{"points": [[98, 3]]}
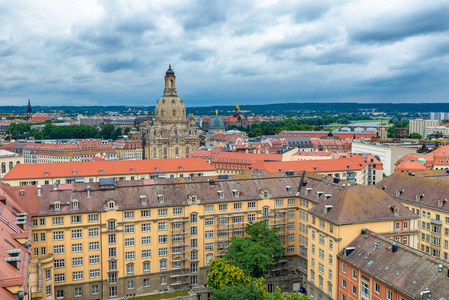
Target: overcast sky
{"points": [[88, 52]]}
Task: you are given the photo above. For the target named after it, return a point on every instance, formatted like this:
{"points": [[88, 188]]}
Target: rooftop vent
{"points": [[394, 248], [363, 231], [348, 250]]}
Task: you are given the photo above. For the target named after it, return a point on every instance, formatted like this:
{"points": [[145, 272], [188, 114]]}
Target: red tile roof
{"points": [[28, 171], [328, 165]]}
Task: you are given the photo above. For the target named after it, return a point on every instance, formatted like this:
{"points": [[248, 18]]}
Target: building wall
{"points": [[8, 162], [193, 220], [388, 155], [118, 177], [330, 239]]}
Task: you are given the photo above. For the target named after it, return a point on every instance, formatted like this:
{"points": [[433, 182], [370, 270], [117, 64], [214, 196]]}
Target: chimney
{"points": [[394, 248], [363, 231], [39, 190]]}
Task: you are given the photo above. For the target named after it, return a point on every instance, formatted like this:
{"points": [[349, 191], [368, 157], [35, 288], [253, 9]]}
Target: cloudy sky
{"points": [[88, 52]]}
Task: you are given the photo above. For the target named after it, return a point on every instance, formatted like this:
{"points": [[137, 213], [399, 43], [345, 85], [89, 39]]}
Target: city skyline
{"points": [[102, 53]]}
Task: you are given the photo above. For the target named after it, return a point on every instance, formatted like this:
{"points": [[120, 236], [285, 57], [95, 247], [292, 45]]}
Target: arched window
{"points": [[17, 162], [176, 151], [175, 131], [265, 211], [3, 167], [187, 151], [174, 113], [209, 257], [171, 83], [11, 164], [194, 218]]}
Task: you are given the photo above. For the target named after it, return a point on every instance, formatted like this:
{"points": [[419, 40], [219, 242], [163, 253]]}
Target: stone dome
{"points": [[216, 124], [170, 108]]}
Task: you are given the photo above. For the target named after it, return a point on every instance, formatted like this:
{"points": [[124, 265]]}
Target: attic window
{"points": [[441, 202], [157, 168], [289, 188], [193, 199], [399, 192], [419, 197], [46, 173], [265, 194], [101, 171], [315, 168], [132, 170], [318, 194], [111, 204], [349, 167], [328, 196], [221, 194], [75, 204], [307, 190], [396, 211], [57, 206], [74, 172], [160, 199], [143, 199], [180, 167]]}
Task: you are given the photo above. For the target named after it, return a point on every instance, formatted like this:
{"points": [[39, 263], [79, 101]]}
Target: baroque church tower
{"points": [[170, 134]]}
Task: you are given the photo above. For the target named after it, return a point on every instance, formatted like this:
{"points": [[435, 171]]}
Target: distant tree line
{"points": [[50, 131]]}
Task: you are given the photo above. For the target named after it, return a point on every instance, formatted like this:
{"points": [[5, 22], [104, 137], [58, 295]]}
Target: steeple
{"points": [[29, 110], [170, 82]]}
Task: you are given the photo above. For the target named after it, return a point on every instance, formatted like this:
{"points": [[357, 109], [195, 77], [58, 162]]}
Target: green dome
{"points": [[216, 124], [422, 160]]}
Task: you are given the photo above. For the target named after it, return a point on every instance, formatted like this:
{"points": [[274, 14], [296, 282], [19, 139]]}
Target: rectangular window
{"points": [[146, 213], [129, 229], [163, 251], [209, 208], [251, 217], [279, 202], [95, 273], [60, 277], [130, 242], [130, 255], [162, 225], [163, 238], [75, 219], [94, 289], [112, 252], [209, 221], [77, 275], [93, 232], [251, 205], [129, 214], [177, 211], [162, 212], [291, 202], [389, 295], [209, 234], [94, 246], [237, 206], [92, 218], [77, 248], [290, 214], [209, 246], [146, 253], [56, 221], [58, 235], [222, 207], [146, 240], [59, 263], [77, 234], [77, 261], [94, 259], [145, 227], [58, 249]]}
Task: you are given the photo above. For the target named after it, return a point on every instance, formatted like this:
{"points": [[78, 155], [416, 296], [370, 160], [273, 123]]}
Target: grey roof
{"points": [[216, 123], [407, 270], [176, 190]]}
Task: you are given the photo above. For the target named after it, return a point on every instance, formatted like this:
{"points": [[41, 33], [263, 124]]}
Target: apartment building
{"points": [[423, 127], [374, 267], [15, 233], [238, 162], [102, 241], [357, 169], [82, 150], [427, 198], [128, 149], [119, 170], [338, 220]]}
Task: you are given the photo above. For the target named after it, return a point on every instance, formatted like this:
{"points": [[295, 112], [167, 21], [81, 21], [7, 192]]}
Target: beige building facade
{"points": [[170, 134], [423, 127]]}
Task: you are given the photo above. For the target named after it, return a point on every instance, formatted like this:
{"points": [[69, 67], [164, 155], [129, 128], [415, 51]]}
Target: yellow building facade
{"points": [[337, 221], [103, 242]]}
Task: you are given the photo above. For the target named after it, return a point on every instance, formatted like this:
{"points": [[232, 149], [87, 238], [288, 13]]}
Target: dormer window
{"points": [[193, 199], [419, 197], [157, 168], [289, 188], [132, 170], [74, 172], [265, 194], [235, 193], [75, 204], [143, 199], [399, 192], [396, 211], [180, 167], [307, 191], [111, 204], [46, 173], [318, 194], [101, 171], [221, 194], [57, 206], [160, 199]]}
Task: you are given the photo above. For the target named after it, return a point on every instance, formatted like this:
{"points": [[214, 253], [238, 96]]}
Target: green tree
{"points": [[223, 274], [117, 132], [36, 134], [248, 291], [127, 129], [107, 131], [258, 252], [277, 295], [416, 135]]}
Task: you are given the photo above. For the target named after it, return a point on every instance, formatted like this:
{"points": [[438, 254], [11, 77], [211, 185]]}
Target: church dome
{"points": [[170, 108], [216, 124]]}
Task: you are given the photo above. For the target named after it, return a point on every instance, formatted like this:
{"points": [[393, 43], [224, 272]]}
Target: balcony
{"points": [[436, 222]]}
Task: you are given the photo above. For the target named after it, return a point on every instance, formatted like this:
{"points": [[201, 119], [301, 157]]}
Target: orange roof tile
{"points": [[29, 171]]}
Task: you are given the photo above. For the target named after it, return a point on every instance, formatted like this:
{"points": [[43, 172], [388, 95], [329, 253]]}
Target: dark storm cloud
{"points": [[398, 27], [108, 52]]}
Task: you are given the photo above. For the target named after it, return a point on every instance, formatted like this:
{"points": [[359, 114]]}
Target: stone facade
{"points": [[170, 134]]}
